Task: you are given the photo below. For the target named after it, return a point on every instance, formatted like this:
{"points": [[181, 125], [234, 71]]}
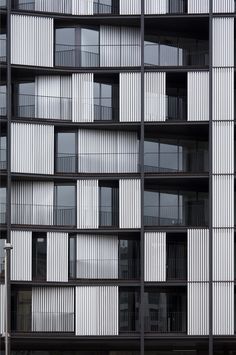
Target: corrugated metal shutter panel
{"points": [[32, 40], [223, 308], [130, 7], [43, 203], [2, 309], [82, 98], [156, 7], [198, 96], [155, 257], [21, 256], [110, 50], [32, 148], [97, 310], [223, 6], [198, 255], [87, 204], [198, 308], [198, 6], [130, 97], [82, 7], [129, 203], [155, 97], [223, 42], [97, 257], [130, 47], [22, 201], [59, 6], [57, 257], [53, 309], [223, 254]]}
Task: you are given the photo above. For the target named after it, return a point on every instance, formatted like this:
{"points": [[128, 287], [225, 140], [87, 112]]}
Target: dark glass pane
{"points": [[2, 259], [66, 152], [176, 261], [22, 315], [89, 47], [109, 206], [3, 193], [39, 255], [129, 311], [65, 205], [151, 53], [72, 257], [66, 50], [151, 157], [151, 208], [129, 259], [168, 157], [65, 36], [3, 100], [26, 100], [169, 209], [168, 51]]}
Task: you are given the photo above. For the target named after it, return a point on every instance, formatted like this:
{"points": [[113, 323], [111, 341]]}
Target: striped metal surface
{"points": [[87, 204], [130, 7], [198, 96], [155, 96], [32, 40], [198, 255], [156, 7], [129, 203], [130, 47], [82, 7], [82, 97], [223, 308], [222, 6], [57, 257], [97, 310], [198, 6], [32, 148], [223, 42], [59, 6], [155, 256], [130, 97], [2, 308], [21, 256]]}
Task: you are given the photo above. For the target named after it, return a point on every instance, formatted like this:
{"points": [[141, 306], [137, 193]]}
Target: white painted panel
{"points": [[53, 309], [198, 255], [130, 7], [223, 6], [59, 6], [130, 47], [155, 97], [32, 40], [129, 203], [32, 148], [87, 204], [43, 203], [97, 310], [21, 256], [82, 98], [156, 7], [223, 254], [110, 50], [155, 257], [198, 308], [198, 6], [57, 257], [223, 94], [97, 257], [198, 96], [82, 7], [223, 42], [2, 308], [223, 308], [223, 201], [130, 97]]}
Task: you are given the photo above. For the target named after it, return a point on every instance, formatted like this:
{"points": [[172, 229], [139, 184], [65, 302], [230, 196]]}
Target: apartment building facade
{"points": [[117, 176]]}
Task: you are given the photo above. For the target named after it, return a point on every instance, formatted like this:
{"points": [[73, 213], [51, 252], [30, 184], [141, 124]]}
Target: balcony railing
{"points": [[176, 108], [176, 268], [108, 217], [177, 6], [26, 6], [3, 56], [99, 8], [2, 268], [129, 321], [3, 159], [3, 104], [106, 113], [3, 213], [159, 321], [171, 215]]}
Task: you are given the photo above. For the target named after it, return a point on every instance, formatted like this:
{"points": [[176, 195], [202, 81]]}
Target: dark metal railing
{"points": [[66, 163], [3, 213], [159, 321], [176, 268], [177, 6], [3, 52], [99, 8], [108, 217], [106, 113], [176, 108], [3, 159], [26, 6], [3, 104], [129, 321]]}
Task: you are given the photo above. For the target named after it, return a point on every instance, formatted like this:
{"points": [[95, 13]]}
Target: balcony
{"points": [[176, 268], [176, 108], [2, 213], [100, 8], [3, 102], [108, 217], [159, 321], [106, 113], [3, 44], [2, 269], [3, 159], [177, 6], [129, 322]]}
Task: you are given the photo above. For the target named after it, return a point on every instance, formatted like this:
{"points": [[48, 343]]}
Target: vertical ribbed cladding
{"points": [[82, 97], [87, 204], [59, 6], [223, 94], [96, 257], [223, 147], [130, 7], [221, 6], [155, 256], [223, 42], [223, 254], [97, 310], [129, 203], [2, 308], [43, 202], [130, 47], [156, 7], [107, 151], [198, 308], [21, 194], [223, 308], [198, 6], [198, 255], [53, 309], [21, 256], [198, 96], [155, 96], [130, 97], [32, 148], [82, 7], [32, 40], [57, 257]]}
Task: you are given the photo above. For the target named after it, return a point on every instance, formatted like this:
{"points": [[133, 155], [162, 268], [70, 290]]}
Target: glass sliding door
{"points": [[64, 205], [89, 47], [66, 152]]}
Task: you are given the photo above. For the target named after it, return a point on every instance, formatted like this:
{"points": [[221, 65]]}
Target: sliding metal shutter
{"points": [[129, 203], [223, 42], [223, 94], [110, 50], [97, 257], [2, 308], [59, 6], [82, 7], [57, 257], [32, 40], [130, 97], [156, 7], [198, 96], [82, 98], [198, 6], [97, 310], [198, 255], [130, 47], [21, 202], [198, 308], [155, 96], [130, 7], [21, 256], [223, 147], [223, 6], [223, 308], [155, 257], [43, 203], [223, 254], [87, 204]]}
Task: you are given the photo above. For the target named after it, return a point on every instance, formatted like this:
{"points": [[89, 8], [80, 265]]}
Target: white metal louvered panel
{"points": [[82, 97], [198, 308], [198, 6], [155, 257], [128, 152], [96, 257], [97, 310], [222, 6], [57, 257], [129, 203], [2, 308], [110, 50], [87, 204], [42, 210], [53, 309], [198, 96], [59, 6], [21, 202], [21, 256], [223, 201], [32, 148], [223, 254], [223, 42], [130, 7], [156, 7], [223, 147], [130, 97], [32, 40], [223, 94], [155, 96], [130, 47], [223, 308], [198, 255], [82, 7]]}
